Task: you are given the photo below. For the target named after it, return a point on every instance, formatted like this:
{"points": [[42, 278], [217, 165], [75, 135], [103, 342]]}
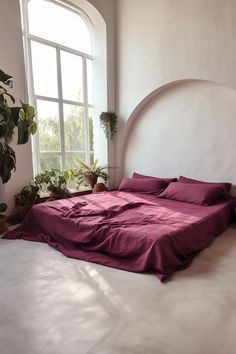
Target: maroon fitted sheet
{"points": [[129, 231]]}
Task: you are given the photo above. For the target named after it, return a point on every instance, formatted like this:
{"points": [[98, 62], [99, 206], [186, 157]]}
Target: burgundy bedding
{"points": [[130, 231]]}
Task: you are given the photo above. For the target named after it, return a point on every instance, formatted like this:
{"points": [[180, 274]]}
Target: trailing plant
{"points": [[11, 117], [88, 174], [108, 121]]}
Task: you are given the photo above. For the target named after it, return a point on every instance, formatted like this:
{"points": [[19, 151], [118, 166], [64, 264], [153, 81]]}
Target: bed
{"points": [[128, 230]]}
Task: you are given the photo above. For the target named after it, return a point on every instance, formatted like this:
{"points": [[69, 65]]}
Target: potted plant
{"points": [[3, 218], [24, 201], [108, 121], [88, 174], [11, 117], [55, 182]]}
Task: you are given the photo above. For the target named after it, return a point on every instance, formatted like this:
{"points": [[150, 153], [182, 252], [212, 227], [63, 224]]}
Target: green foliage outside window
{"points": [[74, 140]]}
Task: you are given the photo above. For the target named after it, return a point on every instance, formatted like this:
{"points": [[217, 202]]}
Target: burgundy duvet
{"points": [[129, 231]]}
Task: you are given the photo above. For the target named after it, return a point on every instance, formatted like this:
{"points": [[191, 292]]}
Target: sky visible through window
{"points": [[57, 24]]}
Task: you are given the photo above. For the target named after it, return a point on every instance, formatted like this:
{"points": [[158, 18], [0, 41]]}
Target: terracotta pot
{"points": [[22, 211], [92, 180], [99, 187], [3, 224]]}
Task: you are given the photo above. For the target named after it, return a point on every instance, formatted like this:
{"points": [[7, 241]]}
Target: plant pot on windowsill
{"points": [[99, 187], [91, 179], [88, 174]]}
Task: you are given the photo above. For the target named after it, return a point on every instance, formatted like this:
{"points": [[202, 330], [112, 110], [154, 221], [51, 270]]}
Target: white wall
{"points": [[160, 41]]}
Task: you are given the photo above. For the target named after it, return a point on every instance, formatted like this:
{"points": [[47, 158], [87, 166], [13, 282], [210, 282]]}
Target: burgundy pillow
{"points": [[165, 181], [197, 193], [225, 185], [144, 185]]}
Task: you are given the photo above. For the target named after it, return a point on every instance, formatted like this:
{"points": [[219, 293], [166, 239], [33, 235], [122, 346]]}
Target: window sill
{"points": [[45, 196]]}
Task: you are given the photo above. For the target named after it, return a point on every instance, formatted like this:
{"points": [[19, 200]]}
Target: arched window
{"points": [[59, 46]]}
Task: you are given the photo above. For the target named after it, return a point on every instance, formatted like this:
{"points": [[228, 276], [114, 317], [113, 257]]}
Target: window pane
{"points": [[90, 114], [44, 70], [48, 161], [74, 128], [48, 126], [71, 159], [71, 72], [89, 81], [58, 24]]}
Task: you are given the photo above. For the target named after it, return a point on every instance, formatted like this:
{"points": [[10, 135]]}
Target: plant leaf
{"points": [[32, 128], [15, 114], [23, 135]]}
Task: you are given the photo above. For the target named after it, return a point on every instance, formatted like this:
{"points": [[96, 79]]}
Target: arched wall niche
{"points": [[184, 127]]}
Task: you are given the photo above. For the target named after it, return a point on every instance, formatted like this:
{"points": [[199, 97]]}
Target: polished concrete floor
{"points": [[53, 304]]}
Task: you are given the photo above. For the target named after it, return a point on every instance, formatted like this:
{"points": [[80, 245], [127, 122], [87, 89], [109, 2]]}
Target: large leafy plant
{"points": [[11, 117]]}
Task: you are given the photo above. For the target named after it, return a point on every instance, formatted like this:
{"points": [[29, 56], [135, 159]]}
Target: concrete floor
{"points": [[53, 304]]}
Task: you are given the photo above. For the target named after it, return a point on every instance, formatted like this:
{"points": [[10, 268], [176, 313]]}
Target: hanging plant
{"points": [[108, 121]]}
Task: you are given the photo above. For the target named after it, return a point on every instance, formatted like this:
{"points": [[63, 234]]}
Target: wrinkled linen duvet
{"points": [[130, 231]]}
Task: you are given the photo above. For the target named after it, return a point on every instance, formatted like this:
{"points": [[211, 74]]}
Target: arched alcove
{"points": [[184, 127]]}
